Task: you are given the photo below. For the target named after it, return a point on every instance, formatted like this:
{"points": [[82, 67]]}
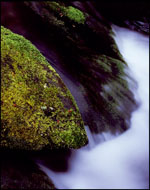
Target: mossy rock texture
{"points": [[37, 109], [90, 54], [70, 12]]}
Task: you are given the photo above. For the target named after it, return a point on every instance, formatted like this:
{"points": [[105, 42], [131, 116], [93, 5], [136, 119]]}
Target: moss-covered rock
{"points": [[91, 56], [70, 12], [76, 29], [37, 110]]}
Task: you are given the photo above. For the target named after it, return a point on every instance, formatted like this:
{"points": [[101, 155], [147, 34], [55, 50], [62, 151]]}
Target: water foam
{"points": [[121, 162]]}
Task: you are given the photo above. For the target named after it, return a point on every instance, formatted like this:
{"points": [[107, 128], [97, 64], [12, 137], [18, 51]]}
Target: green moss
{"points": [[110, 65], [37, 109], [75, 15], [70, 12]]}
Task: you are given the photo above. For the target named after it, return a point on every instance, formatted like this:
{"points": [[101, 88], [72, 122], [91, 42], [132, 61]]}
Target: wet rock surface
{"points": [[20, 172], [92, 58], [130, 14]]}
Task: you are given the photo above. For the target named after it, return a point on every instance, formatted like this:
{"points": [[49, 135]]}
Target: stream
{"points": [[108, 161], [121, 162]]}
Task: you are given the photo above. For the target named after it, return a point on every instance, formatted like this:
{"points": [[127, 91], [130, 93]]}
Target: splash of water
{"points": [[121, 162]]}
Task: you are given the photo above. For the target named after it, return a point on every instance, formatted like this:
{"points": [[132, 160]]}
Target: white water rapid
{"points": [[121, 162]]}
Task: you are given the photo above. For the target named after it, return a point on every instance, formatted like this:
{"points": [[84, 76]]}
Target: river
{"points": [[121, 162]]}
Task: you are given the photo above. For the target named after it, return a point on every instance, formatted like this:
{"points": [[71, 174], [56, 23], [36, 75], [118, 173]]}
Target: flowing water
{"points": [[123, 161], [120, 161]]}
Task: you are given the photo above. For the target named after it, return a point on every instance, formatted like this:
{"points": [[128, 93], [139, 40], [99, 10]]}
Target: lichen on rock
{"points": [[37, 110]]}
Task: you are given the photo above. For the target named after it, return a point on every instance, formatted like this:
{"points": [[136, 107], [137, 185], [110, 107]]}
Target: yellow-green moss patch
{"points": [[70, 12], [37, 110]]}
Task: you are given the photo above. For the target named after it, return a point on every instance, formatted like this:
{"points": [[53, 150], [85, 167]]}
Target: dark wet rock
{"points": [[19, 172], [140, 26], [134, 15], [56, 159], [91, 55]]}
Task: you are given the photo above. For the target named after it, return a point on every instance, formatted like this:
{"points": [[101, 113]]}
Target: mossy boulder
{"points": [[91, 56], [77, 29], [37, 109]]}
